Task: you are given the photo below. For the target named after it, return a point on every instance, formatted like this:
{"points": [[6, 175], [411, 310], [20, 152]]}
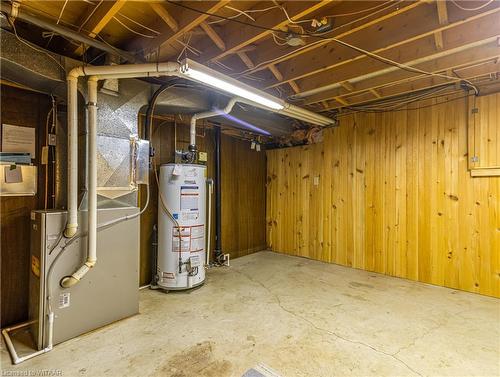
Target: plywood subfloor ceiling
{"points": [[456, 39]]}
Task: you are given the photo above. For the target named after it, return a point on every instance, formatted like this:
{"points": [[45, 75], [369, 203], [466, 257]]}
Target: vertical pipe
{"points": [[92, 159], [154, 257], [72, 225], [71, 280], [218, 207], [192, 133], [209, 220]]}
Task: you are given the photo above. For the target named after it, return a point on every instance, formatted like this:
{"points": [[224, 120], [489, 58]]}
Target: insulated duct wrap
{"points": [[117, 126]]}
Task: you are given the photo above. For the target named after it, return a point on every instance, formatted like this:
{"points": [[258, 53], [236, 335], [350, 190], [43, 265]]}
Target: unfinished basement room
{"points": [[250, 188]]}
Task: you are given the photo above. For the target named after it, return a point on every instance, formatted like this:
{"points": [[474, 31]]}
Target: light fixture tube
{"points": [[234, 89]]}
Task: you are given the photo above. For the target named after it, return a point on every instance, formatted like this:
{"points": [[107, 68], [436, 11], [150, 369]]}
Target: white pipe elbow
{"points": [[70, 230], [73, 279]]}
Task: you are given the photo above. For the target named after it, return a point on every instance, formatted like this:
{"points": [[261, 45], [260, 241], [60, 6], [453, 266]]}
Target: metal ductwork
{"points": [[37, 20]]}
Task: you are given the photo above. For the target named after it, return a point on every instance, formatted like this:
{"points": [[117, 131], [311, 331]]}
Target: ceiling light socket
{"points": [[294, 40]]}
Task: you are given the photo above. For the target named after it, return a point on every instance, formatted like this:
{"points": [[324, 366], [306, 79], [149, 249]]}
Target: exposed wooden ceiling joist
{"points": [[100, 18], [442, 11], [212, 34], [486, 62], [165, 15], [294, 86], [432, 35], [238, 36], [375, 93], [388, 40], [275, 71], [461, 38], [304, 53], [347, 85], [186, 20], [479, 73], [245, 59]]}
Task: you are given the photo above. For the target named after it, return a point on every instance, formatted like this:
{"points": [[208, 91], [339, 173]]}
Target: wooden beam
{"points": [[165, 16], [294, 87], [106, 11], [212, 34], [476, 54], [374, 92], [302, 55], [342, 101], [186, 20], [238, 36], [442, 12], [245, 59], [388, 42], [347, 86], [463, 37], [275, 71], [420, 54], [426, 84], [438, 40], [423, 82]]}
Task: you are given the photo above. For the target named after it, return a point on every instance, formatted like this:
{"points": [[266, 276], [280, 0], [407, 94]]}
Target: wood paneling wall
{"points": [[243, 190], [391, 193], [484, 131], [21, 108], [243, 198]]}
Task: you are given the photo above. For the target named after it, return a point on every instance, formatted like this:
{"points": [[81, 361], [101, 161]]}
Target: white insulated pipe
{"points": [[209, 114], [71, 280], [100, 72], [72, 224], [92, 158]]}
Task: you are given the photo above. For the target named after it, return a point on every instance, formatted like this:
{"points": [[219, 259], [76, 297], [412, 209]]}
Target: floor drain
{"points": [[261, 370]]}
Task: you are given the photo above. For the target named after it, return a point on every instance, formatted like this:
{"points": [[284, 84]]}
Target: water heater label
{"points": [[181, 246], [189, 198], [64, 300], [197, 231], [190, 216], [197, 244]]}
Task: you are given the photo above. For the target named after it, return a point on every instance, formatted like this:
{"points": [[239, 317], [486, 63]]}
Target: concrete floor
{"points": [[297, 317]]}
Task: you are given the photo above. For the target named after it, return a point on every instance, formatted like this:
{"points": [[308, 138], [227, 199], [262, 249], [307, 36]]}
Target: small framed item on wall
{"points": [[19, 139], [17, 176]]}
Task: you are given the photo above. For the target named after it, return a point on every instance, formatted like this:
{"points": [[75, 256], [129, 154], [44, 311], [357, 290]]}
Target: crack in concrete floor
{"points": [[291, 312]]}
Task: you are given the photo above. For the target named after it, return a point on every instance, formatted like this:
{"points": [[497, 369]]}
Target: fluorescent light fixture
{"points": [[208, 76]]}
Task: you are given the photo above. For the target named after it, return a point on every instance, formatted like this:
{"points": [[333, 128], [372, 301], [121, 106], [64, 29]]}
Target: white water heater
{"points": [[181, 230]]}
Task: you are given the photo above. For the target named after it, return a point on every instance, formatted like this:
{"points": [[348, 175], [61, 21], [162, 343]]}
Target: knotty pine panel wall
{"points": [[243, 197], [484, 131], [390, 193]]}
